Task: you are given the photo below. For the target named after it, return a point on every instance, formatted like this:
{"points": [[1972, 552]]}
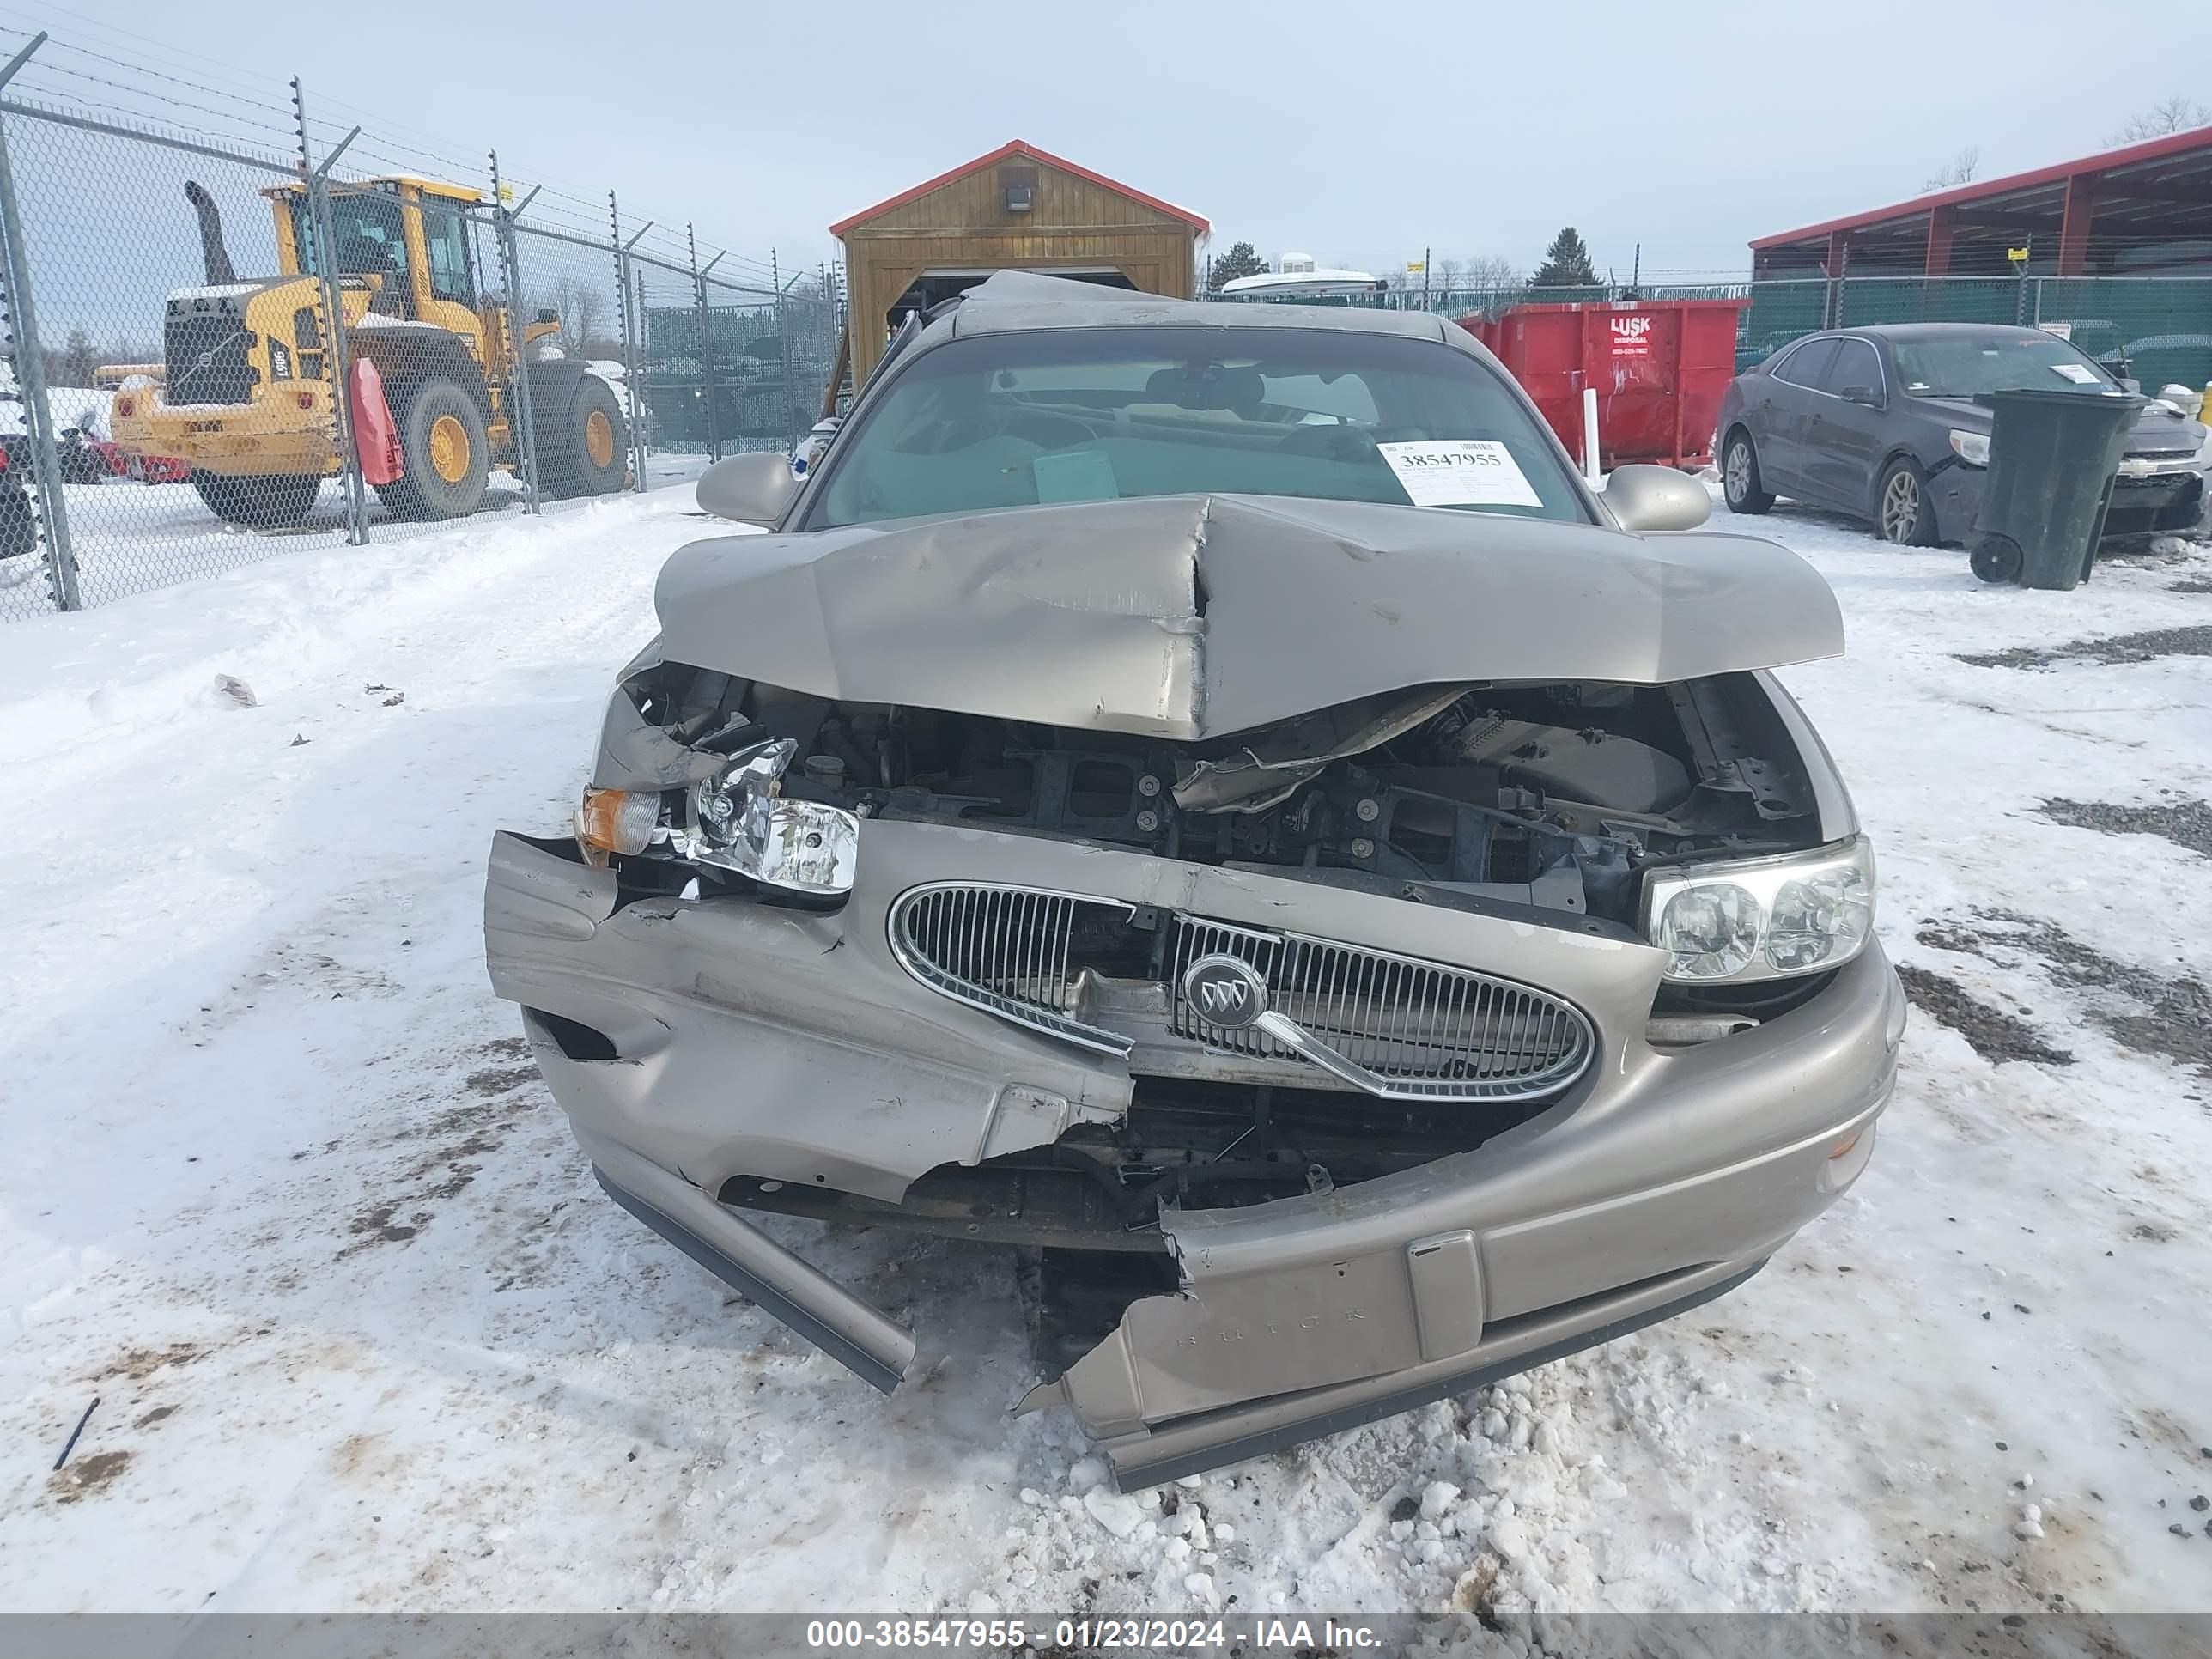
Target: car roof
{"points": [[1015, 301], [1909, 332]]}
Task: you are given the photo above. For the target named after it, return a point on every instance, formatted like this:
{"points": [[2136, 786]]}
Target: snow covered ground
{"points": [[129, 537], [279, 1186]]}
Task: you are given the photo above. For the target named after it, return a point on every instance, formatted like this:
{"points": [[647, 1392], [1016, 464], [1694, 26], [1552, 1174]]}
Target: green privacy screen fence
{"points": [[2161, 325]]}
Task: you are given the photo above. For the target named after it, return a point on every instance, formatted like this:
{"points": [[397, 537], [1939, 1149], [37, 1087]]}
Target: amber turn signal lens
{"points": [[1844, 1145], [617, 820]]}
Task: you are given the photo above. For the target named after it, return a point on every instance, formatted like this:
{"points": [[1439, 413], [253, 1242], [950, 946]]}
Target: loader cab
{"points": [[403, 237]]}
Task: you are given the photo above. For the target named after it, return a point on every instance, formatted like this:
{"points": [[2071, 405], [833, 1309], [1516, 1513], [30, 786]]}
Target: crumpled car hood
{"points": [[1189, 617]]}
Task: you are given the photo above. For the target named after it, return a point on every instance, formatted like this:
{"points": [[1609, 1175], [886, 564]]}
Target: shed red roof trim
{"points": [[1017, 147], [2151, 149]]}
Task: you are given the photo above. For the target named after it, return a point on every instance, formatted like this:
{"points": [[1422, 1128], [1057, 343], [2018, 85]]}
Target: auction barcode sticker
{"points": [[1466, 472]]}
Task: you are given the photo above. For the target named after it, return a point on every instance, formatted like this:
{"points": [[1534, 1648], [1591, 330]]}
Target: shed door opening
{"points": [[935, 286]]}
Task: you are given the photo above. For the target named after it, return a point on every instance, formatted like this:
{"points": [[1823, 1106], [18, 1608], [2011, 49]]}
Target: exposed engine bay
{"points": [[1549, 796], [1543, 802]]}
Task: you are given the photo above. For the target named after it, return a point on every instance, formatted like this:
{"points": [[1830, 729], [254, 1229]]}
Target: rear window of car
{"points": [[1019, 419]]}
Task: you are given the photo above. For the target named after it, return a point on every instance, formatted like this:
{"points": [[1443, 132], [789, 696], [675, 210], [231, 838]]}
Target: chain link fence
{"points": [[245, 329], [2159, 327]]}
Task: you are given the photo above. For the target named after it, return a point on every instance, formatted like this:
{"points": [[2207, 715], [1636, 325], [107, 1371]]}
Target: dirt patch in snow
{"points": [[379, 1224], [74, 1482], [1993, 1034], [2137, 1007], [499, 1079], [2192, 642], [2194, 585], [140, 1363], [440, 1164], [2184, 823]]}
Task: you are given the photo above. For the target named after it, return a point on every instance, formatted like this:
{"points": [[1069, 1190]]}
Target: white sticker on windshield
{"points": [[2080, 374], [1467, 472]]}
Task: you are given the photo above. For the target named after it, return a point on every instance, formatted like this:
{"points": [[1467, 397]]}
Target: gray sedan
{"points": [[1882, 423]]}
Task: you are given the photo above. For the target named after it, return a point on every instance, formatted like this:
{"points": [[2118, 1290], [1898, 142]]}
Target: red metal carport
{"points": [[2144, 209]]}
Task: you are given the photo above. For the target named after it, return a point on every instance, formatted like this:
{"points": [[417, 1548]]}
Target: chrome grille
{"points": [[1413, 1028], [1004, 950], [1432, 1031]]}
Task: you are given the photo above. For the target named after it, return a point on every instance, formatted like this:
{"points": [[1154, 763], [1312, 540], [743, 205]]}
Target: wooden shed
{"points": [[1018, 208]]}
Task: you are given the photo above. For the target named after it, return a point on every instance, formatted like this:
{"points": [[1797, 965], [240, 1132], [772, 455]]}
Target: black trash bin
{"points": [[2052, 458]]}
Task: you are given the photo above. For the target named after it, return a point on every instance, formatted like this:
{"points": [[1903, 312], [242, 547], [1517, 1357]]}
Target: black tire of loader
{"points": [[421, 491], [18, 528], [570, 468], [273, 502]]}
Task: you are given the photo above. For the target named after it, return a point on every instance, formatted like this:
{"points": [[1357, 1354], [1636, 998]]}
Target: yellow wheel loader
{"points": [[244, 393]]}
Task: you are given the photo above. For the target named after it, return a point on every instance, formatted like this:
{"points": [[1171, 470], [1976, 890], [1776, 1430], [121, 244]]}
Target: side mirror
{"points": [[1644, 497], [1863, 394], [752, 489]]}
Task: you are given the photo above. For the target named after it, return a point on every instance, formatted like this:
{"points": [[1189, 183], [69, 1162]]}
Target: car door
{"points": [[1780, 430], [1843, 439]]}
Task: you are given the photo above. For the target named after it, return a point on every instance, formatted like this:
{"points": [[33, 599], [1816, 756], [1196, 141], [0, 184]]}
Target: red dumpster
{"points": [[1659, 366]]}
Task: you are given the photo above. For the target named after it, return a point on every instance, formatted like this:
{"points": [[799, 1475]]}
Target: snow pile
{"points": [[87, 408], [75, 679]]}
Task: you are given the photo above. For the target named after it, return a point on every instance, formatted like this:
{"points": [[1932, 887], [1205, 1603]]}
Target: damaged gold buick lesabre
{"points": [[1209, 794]]}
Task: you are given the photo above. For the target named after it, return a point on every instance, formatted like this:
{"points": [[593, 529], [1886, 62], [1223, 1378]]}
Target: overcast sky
{"points": [[1358, 132]]}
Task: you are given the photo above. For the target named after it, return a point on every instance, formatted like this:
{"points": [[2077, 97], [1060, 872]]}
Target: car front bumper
{"points": [[2163, 504], [734, 1040]]}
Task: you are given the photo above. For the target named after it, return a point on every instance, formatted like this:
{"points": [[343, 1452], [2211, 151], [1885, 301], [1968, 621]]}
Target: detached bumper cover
{"points": [[794, 1046], [834, 1320], [1194, 1445]]}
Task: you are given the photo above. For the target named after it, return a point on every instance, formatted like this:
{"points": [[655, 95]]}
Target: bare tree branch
{"points": [[582, 309], [2176, 114], [1492, 270], [1958, 170]]}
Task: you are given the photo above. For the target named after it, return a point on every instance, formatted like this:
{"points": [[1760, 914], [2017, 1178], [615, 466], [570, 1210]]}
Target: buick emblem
{"points": [[1225, 991]]}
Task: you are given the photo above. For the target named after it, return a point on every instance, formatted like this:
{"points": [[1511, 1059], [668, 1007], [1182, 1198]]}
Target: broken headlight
{"points": [[1765, 918], [739, 820]]}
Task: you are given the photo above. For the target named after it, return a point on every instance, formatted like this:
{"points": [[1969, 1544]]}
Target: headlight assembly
{"points": [[1972, 447], [1765, 918], [739, 820]]}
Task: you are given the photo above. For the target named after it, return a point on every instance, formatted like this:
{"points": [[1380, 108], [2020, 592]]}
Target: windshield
{"points": [[1085, 415], [1970, 365], [366, 228]]}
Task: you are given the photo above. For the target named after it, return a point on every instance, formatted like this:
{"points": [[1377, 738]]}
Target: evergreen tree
{"points": [[1241, 260], [1566, 263]]}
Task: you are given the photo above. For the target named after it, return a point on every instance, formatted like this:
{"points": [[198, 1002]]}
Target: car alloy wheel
{"points": [[1739, 471], [1900, 506]]}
